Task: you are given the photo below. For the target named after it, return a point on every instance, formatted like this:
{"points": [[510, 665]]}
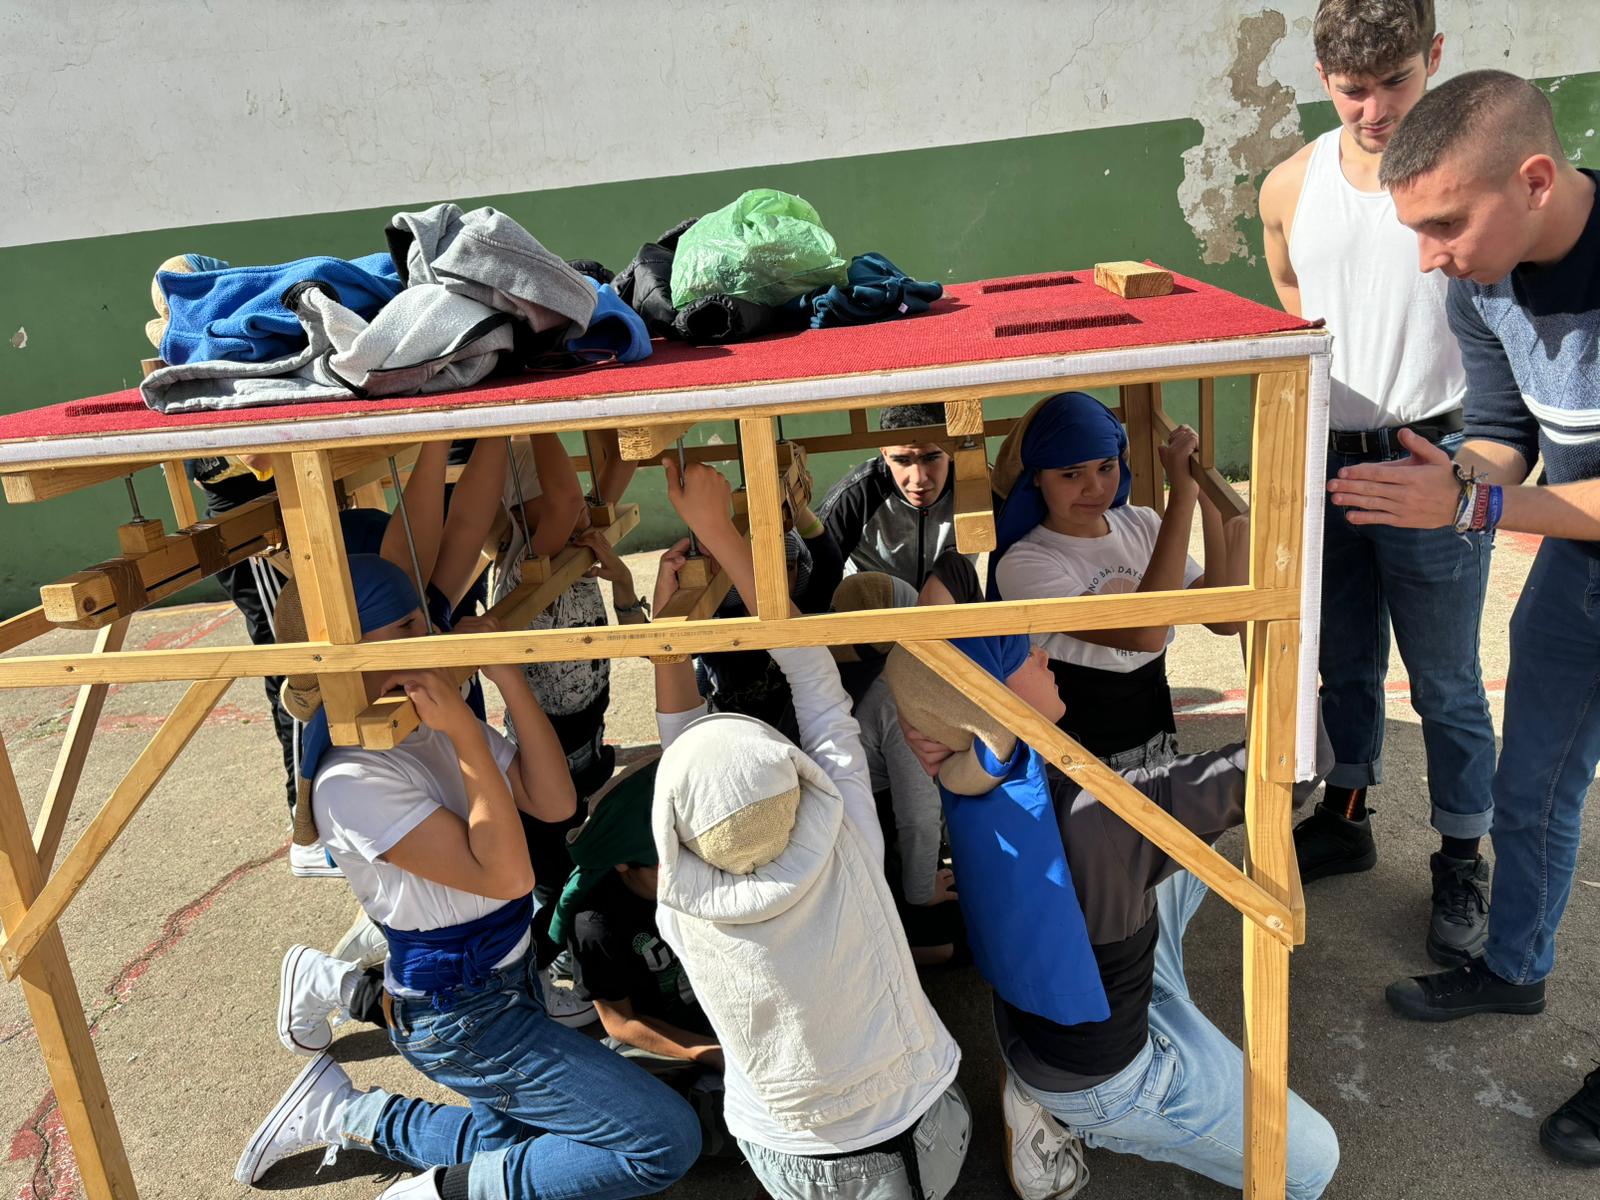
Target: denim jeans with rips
{"points": [[1181, 1099], [1428, 586], [1547, 758], [550, 1112]]}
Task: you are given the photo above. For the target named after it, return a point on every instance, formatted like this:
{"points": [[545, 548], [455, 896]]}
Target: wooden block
{"points": [[646, 443], [30, 487], [141, 537], [1132, 280], [963, 418], [149, 366], [695, 573], [602, 514]]}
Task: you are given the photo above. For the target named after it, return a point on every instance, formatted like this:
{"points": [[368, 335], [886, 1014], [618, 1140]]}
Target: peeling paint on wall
{"points": [[19, 339], [1251, 124]]}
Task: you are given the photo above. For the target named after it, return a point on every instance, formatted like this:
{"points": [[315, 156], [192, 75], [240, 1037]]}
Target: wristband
{"points": [[1497, 499], [811, 530]]}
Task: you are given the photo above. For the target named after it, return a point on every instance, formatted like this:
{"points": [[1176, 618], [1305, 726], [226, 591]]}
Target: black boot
{"points": [[1572, 1132], [1461, 992], [1329, 843], [1460, 922]]}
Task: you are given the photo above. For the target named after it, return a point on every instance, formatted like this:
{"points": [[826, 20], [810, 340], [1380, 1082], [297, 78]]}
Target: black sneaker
{"points": [[1572, 1132], [1461, 992], [1329, 843], [1460, 922]]}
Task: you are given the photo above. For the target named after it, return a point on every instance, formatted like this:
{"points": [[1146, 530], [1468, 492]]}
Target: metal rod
{"points": [[738, 445], [411, 545], [522, 504], [694, 547], [133, 498], [781, 438]]}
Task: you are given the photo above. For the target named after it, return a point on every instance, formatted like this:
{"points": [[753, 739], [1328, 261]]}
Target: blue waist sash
{"points": [[439, 960]]}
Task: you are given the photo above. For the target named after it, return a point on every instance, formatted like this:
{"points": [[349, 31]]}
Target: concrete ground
{"points": [[176, 942]]}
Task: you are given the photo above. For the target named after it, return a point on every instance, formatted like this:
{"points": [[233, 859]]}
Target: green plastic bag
{"points": [[766, 247]]}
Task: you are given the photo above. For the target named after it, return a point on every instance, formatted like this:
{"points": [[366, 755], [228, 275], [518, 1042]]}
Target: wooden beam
{"points": [[23, 628], [57, 1013], [1138, 401], [1117, 611], [390, 720], [181, 492], [1132, 280], [962, 419], [1207, 416], [321, 567], [1217, 489], [1265, 911], [646, 443], [68, 771], [1277, 479], [599, 453], [89, 599], [766, 519], [974, 500], [147, 771], [45, 483]]}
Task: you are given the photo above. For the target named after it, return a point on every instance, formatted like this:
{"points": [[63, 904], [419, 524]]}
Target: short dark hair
{"points": [[1366, 37], [1504, 119], [911, 416]]}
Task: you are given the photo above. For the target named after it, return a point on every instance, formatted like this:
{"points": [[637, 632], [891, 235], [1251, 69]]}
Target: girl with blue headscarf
{"points": [[1066, 529], [430, 837]]}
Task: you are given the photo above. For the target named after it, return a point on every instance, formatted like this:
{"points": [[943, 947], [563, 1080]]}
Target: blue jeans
{"points": [[550, 1113], [1181, 1100], [1547, 759], [1428, 584]]}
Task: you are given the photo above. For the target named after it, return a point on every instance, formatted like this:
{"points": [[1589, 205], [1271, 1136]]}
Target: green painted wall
{"points": [[950, 213]]}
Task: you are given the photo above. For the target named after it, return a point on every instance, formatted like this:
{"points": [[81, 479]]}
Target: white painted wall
{"points": [[117, 117]]}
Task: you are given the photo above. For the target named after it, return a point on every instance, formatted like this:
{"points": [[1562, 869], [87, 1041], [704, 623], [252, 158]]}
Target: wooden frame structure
{"points": [[318, 462]]}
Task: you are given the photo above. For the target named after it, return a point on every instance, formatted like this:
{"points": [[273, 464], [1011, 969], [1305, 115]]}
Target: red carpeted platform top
{"points": [[1023, 317]]}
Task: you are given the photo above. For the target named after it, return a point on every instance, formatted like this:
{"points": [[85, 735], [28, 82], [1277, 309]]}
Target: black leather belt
{"points": [[1385, 443]]}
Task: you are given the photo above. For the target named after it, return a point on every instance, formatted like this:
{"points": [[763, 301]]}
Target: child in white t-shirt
{"points": [[1066, 529]]}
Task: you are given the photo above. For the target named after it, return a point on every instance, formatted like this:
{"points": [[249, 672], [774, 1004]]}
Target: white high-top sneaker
{"points": [[418, 1187], [1043, 1158], [306, 1117], [363, 943], [312, 862], [312, 986]]}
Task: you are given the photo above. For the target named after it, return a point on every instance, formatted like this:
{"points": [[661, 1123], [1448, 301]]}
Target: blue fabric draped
{"points": [[437, 961], [1024, 922], [1066, 429]]}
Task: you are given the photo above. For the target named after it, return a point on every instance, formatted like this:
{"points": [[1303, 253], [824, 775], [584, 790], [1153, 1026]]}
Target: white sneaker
{"points": [[1043, 1158], [312, 986], [418, 1187], [564, 1003], [306, 1117], [312, 862], [363, 944]]}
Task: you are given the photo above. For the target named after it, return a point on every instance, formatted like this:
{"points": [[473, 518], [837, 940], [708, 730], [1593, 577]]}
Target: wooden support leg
{"points": [[181, 493], [1207, 415], [147, 771], [57, 1012], [74, 751], [1138, 400], [316, 547], [766, 518]]}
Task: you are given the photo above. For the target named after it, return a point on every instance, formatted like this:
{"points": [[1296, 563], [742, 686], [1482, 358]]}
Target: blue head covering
{"points": [[1069, 428], [384, 594]]}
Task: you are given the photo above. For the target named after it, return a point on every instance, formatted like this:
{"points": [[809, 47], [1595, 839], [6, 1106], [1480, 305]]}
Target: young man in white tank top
{"points": [[1337, 251]]}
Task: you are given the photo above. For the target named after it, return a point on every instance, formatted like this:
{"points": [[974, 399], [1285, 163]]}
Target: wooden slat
{"points": [[1137, 402], [645, 443], [322, 569], [181, 492], [1207, 416], [369, 466], [68, 771], [46, 483], [108, 824], [766, 519], [23, 628], [1119, 611], [1277, 458], [858, 421], [974, 514], [1110, 788], [596, 460], [57, 1013], [1217, 489], [389, 720]]}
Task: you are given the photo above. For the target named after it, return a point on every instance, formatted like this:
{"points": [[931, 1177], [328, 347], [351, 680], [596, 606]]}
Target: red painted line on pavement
{"points": [[42, 1138]]}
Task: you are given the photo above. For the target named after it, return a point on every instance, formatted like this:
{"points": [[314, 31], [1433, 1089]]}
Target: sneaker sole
{"points": [[322, 872], [1423, 1013], [1005, 1125], [285, 996], [249, 1166], [1450, 956], [1347, 866], [1564, 1153]]}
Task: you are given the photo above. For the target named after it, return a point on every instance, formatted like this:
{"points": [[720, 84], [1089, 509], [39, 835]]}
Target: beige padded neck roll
{"points": [[938, 708], [751, 837]]}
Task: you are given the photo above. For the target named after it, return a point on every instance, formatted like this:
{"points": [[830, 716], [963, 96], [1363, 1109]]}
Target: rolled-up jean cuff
{"points": [[1355, 775], [358, 1123], [1462, 825], [486, 1177]]}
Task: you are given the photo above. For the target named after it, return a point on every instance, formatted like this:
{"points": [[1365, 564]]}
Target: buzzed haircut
{"points": [[911, 416], [1370, 37], [1503, 120]]}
